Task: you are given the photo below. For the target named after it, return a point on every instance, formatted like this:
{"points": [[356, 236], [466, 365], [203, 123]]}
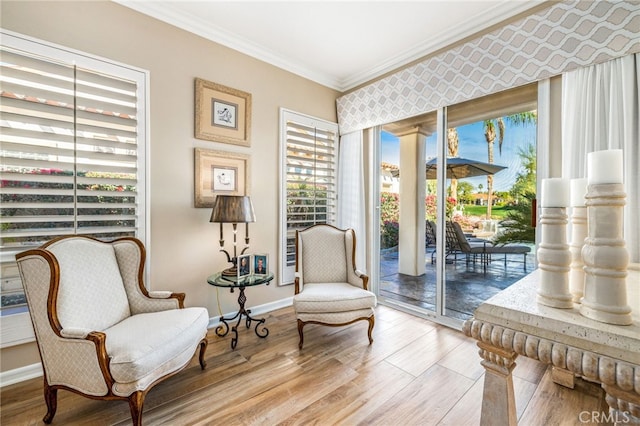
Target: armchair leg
{"points": [[371, 324], [203, 347], [136, 400], [300, 326], [51, 399]]}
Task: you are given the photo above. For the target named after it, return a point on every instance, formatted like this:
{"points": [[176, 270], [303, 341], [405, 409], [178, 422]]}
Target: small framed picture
{"points": [[260, 264], [219, 172], [223, 114], [244, 265]]}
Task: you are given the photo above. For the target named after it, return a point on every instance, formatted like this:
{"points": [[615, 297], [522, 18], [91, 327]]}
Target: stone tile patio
{"points": [[467, 285]]}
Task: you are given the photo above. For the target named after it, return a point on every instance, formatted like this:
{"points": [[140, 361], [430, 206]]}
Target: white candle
{"points": [[604, 166], [578, 191], [555, 192]]}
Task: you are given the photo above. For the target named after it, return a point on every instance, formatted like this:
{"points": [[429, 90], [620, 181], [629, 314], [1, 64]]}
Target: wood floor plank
{"points": [[461, 360], [215, 398], [353, 402], [423, 352], [275, 405], [466, 412], [553, 404], [423, 401], [529, 369]]}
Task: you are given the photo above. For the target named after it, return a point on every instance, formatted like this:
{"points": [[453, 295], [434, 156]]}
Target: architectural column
{"points": [[411, 245]]}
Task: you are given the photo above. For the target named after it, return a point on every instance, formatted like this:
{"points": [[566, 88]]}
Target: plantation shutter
{"points": [[69, 151], [72, 156], [309, 175]]}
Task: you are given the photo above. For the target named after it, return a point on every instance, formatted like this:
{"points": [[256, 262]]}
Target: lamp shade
{"points": [[232, 209]]}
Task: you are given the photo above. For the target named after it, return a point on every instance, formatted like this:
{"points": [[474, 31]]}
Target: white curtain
{"points": [[351, 208], [601, 110]]}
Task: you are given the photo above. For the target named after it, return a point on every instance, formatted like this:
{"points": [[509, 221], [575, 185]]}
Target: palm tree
{"points": [[452, 151], [519, 119], [516, 225]]}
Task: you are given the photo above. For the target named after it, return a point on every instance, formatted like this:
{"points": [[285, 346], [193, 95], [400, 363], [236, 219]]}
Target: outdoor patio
{"points": [[467, 285]]}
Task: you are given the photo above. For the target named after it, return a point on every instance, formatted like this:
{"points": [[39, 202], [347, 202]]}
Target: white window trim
{"points": [[16, 329]]}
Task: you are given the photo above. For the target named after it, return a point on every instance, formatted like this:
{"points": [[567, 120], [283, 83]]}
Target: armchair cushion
{"points": [[333, 298], [142, 344]]}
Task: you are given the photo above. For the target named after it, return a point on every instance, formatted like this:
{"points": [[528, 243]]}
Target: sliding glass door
{"points": [[456, 189]]}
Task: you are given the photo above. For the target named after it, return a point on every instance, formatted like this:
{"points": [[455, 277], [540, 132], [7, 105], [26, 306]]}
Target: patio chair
{"points": [[486, 249], [100, 332], [468, 247], [430, 238], [329, 290]]}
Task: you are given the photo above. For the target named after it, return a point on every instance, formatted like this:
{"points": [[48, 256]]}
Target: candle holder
{"points": [[605, 256], [554, 259], [578, 235]]}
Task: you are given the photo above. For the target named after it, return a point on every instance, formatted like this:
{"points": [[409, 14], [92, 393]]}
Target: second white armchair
{"points": [[329, 290]]}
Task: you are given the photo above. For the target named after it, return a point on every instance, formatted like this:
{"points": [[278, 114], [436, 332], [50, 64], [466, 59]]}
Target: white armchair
{"points": [[100, 333], [329, 290]]}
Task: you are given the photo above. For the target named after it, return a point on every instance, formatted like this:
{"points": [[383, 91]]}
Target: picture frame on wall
{"points": [[219, 173], [223, 114], [260, 264]]}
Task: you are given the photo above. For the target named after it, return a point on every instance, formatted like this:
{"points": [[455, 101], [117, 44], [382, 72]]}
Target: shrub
{"points": [[389, 234]]}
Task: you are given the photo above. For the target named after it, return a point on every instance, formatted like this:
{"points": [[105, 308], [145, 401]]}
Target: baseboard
{"points": [[21, 374], [255, 310]]}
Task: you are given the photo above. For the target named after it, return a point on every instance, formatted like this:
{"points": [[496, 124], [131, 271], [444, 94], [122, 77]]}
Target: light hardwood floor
{"points": [[415, 373]]}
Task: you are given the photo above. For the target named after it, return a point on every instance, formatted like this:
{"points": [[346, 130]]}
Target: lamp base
{"points": [[233, 271]]}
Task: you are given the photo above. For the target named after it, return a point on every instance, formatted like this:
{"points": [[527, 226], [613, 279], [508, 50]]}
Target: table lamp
{"points": [[233, 209]]}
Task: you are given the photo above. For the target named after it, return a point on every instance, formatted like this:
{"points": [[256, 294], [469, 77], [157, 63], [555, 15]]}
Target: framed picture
{"points": [[244, 266], [261, 264], [223, 114], [218, 172]]}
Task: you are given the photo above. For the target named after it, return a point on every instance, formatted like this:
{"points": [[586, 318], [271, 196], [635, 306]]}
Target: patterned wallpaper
{"points": [[563, 37]]}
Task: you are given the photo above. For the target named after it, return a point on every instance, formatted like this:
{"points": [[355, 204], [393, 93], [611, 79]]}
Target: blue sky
{"points": [[473, 145]]}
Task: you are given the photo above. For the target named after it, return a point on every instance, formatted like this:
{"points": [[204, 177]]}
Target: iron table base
{"points": [[224, 328]]}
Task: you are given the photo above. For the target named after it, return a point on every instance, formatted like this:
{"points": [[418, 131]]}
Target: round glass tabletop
{"points": [[231, 281]]}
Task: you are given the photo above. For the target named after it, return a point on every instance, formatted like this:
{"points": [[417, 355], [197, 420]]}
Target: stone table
{"points": [[512, 323]]}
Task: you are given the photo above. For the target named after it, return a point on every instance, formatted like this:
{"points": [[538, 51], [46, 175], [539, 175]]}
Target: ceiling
{"points": [[339, 44]]}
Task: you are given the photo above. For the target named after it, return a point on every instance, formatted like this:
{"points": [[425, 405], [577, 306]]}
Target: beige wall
{"points": [[184, 245]]}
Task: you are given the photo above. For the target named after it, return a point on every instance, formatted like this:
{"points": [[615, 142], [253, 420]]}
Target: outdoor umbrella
{"points": [[460, 168]]}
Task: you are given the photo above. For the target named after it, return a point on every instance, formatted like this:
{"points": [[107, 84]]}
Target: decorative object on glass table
{"points": [[260, 264]]}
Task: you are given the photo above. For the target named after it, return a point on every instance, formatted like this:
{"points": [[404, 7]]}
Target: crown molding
{"points": [[171, 14], [492, 16]]}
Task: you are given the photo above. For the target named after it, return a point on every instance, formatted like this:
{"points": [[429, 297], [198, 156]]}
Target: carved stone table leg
{"points": [[625, 405], [498, 401]]}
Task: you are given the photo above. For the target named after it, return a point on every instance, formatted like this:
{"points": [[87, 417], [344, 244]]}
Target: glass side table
{"points": [[232, 283]]}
